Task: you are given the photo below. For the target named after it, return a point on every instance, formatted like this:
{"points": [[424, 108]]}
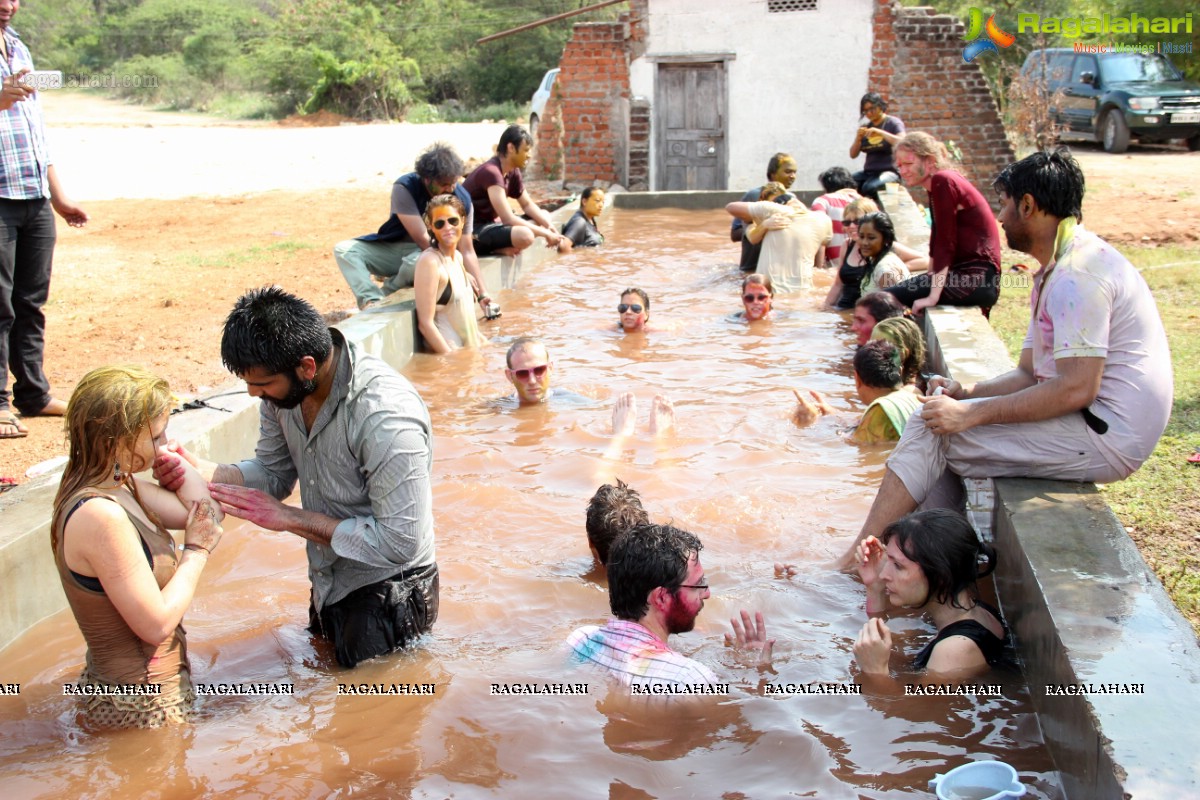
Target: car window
{"points": [[1137, 67], [1060, 69], [1083, 64], [548, 81]]}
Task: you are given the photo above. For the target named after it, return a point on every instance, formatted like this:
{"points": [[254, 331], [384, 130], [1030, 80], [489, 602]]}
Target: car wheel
{"points": [[1114, 132], [1193, 142], [533, 125]]}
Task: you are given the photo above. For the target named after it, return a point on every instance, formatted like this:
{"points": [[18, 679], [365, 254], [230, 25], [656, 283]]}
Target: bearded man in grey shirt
{"points": [[357, 438]]}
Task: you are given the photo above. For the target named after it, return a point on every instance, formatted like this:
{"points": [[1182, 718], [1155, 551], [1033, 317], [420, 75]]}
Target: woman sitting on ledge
{"points": [[930, 561], [127, 583], [444, 298]]}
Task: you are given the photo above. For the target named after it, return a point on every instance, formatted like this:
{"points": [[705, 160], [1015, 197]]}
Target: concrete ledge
{"points": [[1085, 608], [29, 584], [696, 201]]}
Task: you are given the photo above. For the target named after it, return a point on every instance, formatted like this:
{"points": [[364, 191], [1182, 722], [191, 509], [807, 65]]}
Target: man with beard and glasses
{"points": [[656, 587], [356, 437], [1093, 389]]}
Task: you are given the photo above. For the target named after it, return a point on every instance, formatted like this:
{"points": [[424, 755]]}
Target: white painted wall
{"points": [[794, 85]]}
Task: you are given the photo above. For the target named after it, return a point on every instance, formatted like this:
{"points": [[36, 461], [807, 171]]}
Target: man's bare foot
{"points": [[55, 408], [662, 415], [624, 414]]}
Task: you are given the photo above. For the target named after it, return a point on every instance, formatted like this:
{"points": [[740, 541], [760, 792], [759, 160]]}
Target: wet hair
{"points": [[875, 99], [881, 305], [613, 510], [589, 191], [273, 330], [771, 190], [1053, 179], [882, 223], [836, 178], [775, 163], [438, 163], [110, 407], [922, 145], [758, 279], [861, 206], [514, 135], [643, 559], [907, 337], [439, 201], [946, 548], [877, 364], [523, 343], [640, 293]]}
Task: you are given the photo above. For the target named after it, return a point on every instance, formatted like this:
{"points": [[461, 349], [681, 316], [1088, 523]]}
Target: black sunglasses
{"points": [[634, 307], [750, 298], [444, 221]]}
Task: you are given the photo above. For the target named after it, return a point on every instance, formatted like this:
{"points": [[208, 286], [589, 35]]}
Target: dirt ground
{"points": [[150, 281]]}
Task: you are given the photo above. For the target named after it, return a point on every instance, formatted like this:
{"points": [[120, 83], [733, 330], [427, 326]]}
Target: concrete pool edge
{"points": [[1084, 608], [1104, 746]]}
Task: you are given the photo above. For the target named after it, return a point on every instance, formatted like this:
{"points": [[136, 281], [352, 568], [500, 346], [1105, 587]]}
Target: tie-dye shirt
{"points": [[634, 655], [1091, 302]]}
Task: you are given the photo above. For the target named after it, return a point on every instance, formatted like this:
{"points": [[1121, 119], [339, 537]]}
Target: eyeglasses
{"points": [[847, 222], [537, 372], [634, 307], [750, 298], [701, 586], [444, 221]]}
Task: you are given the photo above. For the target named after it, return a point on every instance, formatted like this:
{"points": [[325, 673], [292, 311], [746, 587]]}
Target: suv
{"points": [[539, 100], [1114, 96]]}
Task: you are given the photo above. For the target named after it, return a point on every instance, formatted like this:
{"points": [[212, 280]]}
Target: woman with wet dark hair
{"points": [[930, 561]]}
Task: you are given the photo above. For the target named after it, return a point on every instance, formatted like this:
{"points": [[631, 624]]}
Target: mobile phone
{"points": [[41, 79]]}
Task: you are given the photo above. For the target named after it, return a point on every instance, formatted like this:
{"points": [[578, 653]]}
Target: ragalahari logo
{"points": [[995, 36]]}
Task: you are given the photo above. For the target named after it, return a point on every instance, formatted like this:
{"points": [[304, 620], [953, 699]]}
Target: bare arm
{"points": [[416, 229], [75, 216], [1072, 389], [856, 147], [499, 200], [427, 283], [102, 541], [835, 291], [741, 210]]}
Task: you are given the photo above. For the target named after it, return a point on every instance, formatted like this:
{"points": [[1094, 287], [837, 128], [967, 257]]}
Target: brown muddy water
{"points": [[510, 488]]}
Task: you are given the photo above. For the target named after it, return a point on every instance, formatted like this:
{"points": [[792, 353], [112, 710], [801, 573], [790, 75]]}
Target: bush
{"points": [[162, 80]]}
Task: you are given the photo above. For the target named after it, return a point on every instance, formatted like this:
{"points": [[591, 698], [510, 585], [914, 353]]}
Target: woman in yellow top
{"points": [[127, 582]]}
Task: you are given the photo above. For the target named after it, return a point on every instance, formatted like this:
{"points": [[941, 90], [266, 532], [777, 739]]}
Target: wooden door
{"points": [[691, 126]]}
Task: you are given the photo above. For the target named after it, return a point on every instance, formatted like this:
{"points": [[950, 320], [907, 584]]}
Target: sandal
{"points": [[7, 483], [9, 419]]}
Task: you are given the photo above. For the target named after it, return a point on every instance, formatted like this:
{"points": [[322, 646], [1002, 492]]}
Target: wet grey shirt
{"points": [[367, 462]]}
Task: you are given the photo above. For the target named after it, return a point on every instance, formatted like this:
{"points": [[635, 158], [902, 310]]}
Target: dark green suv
{"points": [[1115, 96]]}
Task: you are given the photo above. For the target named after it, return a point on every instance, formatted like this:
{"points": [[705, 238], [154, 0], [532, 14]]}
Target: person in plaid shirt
{"points": [[29, 194], [656, 587]]}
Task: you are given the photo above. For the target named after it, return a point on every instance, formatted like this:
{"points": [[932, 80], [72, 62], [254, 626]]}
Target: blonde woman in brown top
{"points": [[127, 582]]}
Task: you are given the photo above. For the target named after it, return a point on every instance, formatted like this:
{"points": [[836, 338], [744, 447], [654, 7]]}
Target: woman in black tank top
{"points": [[930, 561]]}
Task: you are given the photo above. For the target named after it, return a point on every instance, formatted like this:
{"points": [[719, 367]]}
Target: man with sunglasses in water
{"points": [[392, 252], [657, 587], [355, 437]]}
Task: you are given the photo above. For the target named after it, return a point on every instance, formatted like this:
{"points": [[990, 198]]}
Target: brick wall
{"points": [[917, 66], [585, 138]]}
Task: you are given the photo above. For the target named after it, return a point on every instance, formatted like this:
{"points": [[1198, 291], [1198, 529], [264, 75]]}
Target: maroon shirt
{"points": [[488, 174], [964, 229]]}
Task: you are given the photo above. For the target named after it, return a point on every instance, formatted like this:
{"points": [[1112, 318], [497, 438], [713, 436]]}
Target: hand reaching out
{"points": [[750, 635]]}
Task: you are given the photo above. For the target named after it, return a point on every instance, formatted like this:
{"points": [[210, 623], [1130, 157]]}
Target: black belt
{"points": [[1095, 423]]}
